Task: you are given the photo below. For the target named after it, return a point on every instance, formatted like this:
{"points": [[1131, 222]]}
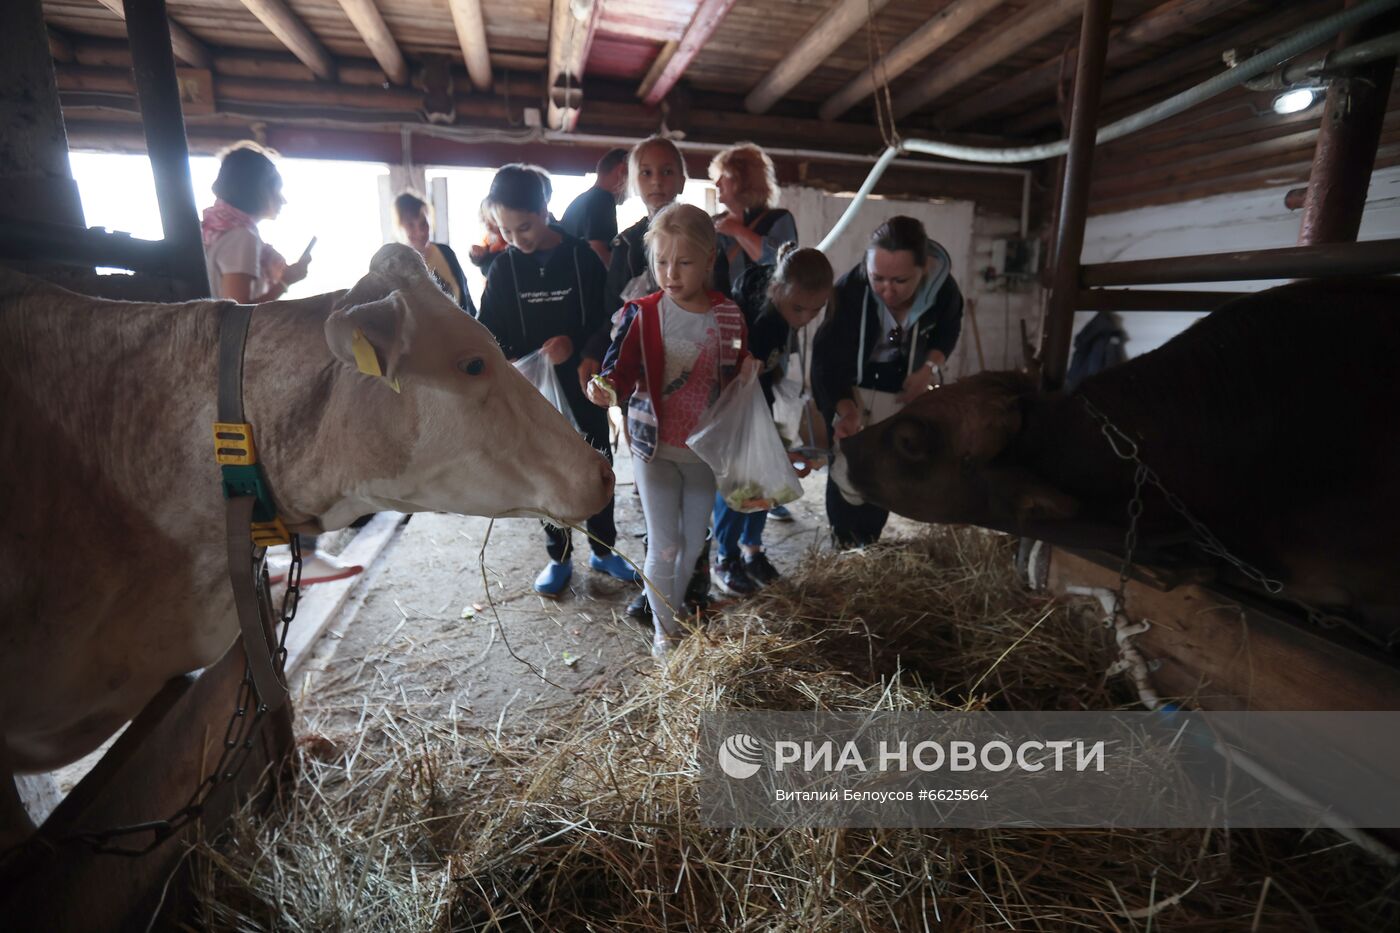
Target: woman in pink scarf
{"points": [[244, 268], [241, 266]]}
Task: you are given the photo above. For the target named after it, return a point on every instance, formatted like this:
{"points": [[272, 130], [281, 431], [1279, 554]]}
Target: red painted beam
{"points": [[708, 15]]}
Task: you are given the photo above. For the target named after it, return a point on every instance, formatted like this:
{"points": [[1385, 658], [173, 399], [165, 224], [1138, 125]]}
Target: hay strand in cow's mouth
{"points": [[583, 815]]}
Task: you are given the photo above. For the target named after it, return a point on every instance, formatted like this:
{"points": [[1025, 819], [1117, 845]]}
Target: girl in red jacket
{"points": [[676, 350]]}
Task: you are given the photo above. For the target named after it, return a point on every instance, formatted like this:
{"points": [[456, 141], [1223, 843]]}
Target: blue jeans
{"points": [[735, 528]]}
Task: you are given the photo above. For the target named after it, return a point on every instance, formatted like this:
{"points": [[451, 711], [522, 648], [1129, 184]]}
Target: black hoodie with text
{"points": [[532, 297]]}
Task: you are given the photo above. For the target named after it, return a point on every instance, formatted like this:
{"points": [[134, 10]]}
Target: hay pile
{"points": [[586, 819]]}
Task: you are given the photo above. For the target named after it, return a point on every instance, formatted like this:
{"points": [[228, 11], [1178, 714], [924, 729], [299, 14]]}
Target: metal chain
{"points": [[240, 734], [1125, 448]]}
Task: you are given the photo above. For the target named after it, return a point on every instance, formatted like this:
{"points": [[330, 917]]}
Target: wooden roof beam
{"points": [[1159, 23], [835, 26], [186, 47], [658, 65], [471, 36], [368, 22], [708, 15], [923, 42], [1019, 33], [292, 32], [572, 26]]}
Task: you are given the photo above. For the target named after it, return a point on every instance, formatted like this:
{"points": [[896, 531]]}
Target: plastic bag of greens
{"points": [[540, 371], [739, 441]]}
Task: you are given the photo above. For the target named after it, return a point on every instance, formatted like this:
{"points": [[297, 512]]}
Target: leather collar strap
{"points": [[254, 608]]}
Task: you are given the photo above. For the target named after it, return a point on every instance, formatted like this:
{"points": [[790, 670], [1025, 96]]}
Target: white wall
{"points": [[1242, 221]]}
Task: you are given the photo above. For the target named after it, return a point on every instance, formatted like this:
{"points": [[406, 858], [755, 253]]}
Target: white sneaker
{"points": [[663, 646]]}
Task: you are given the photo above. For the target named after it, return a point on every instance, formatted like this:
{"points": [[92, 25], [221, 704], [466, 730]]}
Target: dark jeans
{"points": [[559, 541], [852, 525], [733, 528]]}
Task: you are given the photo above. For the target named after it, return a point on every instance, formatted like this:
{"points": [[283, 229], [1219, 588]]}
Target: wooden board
{"points": [[150, 772], [321, 604], [1222, 655]]}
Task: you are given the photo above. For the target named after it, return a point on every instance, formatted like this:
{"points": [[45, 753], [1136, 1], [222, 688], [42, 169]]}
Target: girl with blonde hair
{"points": [[676, 350]]}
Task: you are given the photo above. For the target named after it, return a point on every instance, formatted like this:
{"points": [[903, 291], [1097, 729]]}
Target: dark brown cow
{"points": [[1273, 420]]}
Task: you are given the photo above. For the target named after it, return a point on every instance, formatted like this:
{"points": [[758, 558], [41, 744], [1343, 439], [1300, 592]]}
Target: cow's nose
{"points": [[608, 476]]}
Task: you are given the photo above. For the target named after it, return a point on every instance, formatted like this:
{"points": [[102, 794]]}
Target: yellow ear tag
{"points": [[367, 360]]}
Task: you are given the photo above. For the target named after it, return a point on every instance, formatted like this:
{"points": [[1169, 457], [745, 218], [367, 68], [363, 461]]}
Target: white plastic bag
{"points": [[739, 441], [540, 371]]}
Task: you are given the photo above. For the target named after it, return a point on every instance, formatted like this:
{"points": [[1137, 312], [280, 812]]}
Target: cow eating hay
{"points": [[588, 820], [114, 573]]}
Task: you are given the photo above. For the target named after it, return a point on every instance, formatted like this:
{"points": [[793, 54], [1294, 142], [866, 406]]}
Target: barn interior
{"points": [[114, 109]]}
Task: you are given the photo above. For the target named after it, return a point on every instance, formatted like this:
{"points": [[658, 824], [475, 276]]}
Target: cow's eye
{"points": [[473, 367]]}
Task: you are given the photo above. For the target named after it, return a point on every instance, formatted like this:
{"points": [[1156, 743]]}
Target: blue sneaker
{"points": [[780, 513], [614, 566], [553, 578]]}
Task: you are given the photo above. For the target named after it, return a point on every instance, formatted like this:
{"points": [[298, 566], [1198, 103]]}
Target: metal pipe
{"points": [[1294, 45], [849, 216], [1360, 54], [1370, 257], [1345, 154], [1074, 193], [153, 67]]}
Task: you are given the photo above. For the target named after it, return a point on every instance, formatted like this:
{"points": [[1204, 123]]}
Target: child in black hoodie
{"points": [[546, 293]]}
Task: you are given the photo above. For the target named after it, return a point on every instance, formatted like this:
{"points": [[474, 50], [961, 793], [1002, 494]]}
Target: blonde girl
{"points": [[677, 349]]}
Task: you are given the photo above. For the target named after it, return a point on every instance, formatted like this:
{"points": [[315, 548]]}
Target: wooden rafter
{"points": [[60, 46], [920, 44], [835, 26], [1159, 23], [471, 36], [708, 15], [572, 26], [368, 22], [293, 33], [187, 48], [658, 65], [1018, 34]]}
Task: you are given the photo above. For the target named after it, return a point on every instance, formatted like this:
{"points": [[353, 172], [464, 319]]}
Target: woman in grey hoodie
{"points": [[897, 319]]}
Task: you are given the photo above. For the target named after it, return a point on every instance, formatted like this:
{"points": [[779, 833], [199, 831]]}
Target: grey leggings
{"points": [[676, 501]]}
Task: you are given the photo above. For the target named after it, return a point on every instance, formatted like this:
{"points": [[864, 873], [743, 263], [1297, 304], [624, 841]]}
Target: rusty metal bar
{"points": [[1123, 299], [1370, 257], [1346, 146], [1074, 192], [153, 67]]}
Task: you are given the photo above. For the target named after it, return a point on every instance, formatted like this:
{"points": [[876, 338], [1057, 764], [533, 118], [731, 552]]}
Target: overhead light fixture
{"points": [[1292, 101]]}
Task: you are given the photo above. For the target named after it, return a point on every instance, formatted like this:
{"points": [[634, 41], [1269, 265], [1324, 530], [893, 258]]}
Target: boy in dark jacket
{"points": [[545, 293]]}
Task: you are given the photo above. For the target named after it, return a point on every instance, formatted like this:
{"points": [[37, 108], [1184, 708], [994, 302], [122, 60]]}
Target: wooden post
{"points": [[1346, 146], [153, 67], [1074, 193], [35, 180]]}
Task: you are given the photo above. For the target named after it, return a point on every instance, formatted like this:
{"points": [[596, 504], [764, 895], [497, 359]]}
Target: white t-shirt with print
{"points": [[235, 250], [690, 377]]}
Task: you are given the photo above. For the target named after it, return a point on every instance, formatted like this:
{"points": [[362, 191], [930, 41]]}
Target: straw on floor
{"points": [[585, 817]]}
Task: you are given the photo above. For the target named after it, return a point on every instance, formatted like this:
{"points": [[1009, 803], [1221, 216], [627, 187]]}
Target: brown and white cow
{"points": [[1274, 420], [113, 574]]}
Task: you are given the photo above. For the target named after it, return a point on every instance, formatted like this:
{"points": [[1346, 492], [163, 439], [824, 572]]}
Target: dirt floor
{"points": [[427, 627]]}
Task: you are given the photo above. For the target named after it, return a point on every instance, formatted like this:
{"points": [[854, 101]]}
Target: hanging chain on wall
{"points": [[1126, 449]]}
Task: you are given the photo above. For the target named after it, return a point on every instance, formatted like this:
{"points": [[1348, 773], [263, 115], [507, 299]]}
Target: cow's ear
{"points": [[1018, 494], [372, 336]]}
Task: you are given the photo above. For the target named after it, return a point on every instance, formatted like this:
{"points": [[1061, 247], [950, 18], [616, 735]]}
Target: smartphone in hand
{"points": [[306, 253]]}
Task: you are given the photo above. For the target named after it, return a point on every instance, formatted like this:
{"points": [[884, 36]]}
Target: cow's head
{"points": [[946, 457], [426, 414]]}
